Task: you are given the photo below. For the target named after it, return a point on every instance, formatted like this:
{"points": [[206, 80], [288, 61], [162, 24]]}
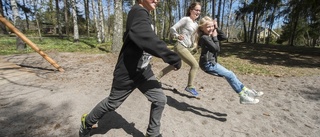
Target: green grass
{"points": [[241, 58], [86, 45], [270, 60]]}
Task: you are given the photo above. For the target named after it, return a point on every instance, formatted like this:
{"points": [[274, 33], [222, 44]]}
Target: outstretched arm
{"points": [[142, 34]]}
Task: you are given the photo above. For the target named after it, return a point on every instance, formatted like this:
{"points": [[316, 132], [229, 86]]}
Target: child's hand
{"points": [[180, 37], [215, 24]]}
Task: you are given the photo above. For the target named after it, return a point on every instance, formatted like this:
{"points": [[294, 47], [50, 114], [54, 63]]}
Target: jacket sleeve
{"points": [[142, 34], [207, 41], [221, 36]]}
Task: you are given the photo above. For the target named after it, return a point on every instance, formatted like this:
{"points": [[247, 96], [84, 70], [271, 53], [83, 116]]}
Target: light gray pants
{"points": [[150, 88]]}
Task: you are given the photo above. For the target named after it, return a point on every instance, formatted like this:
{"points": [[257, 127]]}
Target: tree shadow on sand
{"points": [[113, 120], [273, 54], [20, 119], [311, 93]]}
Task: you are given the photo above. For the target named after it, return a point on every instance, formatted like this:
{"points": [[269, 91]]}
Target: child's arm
{"points": [[175, 27], [142, 34]]}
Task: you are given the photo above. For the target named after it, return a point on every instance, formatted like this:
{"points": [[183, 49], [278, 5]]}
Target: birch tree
{"points": [[229, 18], [20, 45], [37, 14], [75, 22], [95, 20], [2, 27], [118, 27], [101, 23], [109, 20]]}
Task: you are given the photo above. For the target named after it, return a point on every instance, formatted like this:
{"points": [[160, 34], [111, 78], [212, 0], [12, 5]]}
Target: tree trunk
{"points": [[164, 20], [228, 20], [213, 9], [179, 9], [170, 20], [154, 20], [75, 22], [265, 27], [20, 45], [101, 24], [35, 3], [219, 13], [256, 29], [294, 30], [244, 19], [118, 27], [95, 20], [271, 22], [26, 16], [109, 27], [51, 16], [66, 8], [253, 24], [86, 10], [15, 13], [58, 19], [224, 5], [3, 29]]}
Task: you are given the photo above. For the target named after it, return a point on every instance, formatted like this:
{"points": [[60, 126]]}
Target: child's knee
{"points": [[160, 100]]}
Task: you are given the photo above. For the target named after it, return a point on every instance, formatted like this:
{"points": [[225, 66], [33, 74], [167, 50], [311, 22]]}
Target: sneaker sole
{"points": [[261, 94], [253, 96], [250, 103], [193, 94]]}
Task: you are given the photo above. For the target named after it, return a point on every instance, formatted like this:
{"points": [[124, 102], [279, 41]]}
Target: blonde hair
{"points": [[198, 33]]}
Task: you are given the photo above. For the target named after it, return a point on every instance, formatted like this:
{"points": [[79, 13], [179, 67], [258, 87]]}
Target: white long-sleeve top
{"points": [[185, 26]]}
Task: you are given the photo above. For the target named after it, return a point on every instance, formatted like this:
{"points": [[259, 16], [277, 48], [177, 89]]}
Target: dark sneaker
{"points": [[84, 131], [192, 91]]}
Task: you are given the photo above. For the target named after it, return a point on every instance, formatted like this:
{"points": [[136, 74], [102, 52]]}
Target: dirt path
{"points": [[36, 100]]}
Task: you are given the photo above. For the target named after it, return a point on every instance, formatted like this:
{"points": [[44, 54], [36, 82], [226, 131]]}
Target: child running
{"points": [[183, 30], [134, 71]]}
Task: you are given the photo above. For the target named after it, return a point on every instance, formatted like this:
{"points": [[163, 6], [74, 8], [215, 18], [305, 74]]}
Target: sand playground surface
{"points": [[38, 101]]}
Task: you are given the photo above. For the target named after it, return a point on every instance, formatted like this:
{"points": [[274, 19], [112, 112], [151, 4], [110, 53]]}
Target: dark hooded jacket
{"points": [[140, 43]]}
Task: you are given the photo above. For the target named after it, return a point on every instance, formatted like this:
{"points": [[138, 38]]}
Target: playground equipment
{"points": [[30, 43]]}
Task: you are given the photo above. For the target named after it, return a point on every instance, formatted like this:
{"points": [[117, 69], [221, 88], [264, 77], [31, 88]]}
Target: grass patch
{"points": [[270, 60], [48, 44], [241, 58]]}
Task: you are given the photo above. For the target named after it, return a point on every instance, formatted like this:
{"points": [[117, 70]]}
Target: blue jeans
{"points": [[218, 69]]}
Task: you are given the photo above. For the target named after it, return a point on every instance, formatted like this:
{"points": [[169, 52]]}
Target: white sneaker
{"points": [[246, 99], [252, 93]]}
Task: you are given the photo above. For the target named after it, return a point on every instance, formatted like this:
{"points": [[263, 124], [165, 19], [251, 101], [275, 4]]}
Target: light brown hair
{"points": [[191, 7]]}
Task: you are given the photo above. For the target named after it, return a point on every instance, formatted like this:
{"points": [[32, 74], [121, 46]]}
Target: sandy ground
{"points": [[38, 101]]}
